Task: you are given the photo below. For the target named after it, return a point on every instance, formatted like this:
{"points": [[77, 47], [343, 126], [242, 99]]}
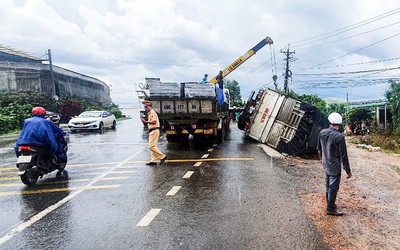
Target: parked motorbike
{"points": [[34, 163]]}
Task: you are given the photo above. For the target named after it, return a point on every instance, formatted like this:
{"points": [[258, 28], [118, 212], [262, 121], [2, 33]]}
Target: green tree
{"points": [[358, 115], [314, 100], [234, 91], [393, 96], [336, 107]]}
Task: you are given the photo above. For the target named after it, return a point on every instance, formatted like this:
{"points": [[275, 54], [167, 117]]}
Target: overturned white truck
{"points": [[283, 123]]}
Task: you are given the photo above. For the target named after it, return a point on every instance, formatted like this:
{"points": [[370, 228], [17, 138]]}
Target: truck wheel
{"points": [[221, 134], [172, 138], [183, 138]]}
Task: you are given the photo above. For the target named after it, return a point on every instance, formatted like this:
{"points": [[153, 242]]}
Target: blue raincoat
{"points": [[39, 132]]}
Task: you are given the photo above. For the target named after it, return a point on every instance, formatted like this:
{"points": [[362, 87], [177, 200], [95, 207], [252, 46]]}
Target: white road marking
{"points": [[215, 145], [173, 190], [21, 226], [210, 150], [148, 218], [205, 156], [197, 164], [188, 174]]}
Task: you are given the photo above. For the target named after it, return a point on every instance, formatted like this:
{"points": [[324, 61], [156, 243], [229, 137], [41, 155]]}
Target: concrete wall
{"points": [[35, 77]]}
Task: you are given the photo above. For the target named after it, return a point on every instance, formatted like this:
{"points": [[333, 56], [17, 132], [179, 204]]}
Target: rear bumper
{"points": [[197, 131]]}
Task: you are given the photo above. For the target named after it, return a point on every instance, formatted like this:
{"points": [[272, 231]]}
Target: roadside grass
{"points": [[387, 143], [124, 118], [11, 133]]}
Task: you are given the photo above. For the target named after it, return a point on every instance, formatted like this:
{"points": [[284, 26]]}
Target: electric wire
{"points": [[350, 27]]}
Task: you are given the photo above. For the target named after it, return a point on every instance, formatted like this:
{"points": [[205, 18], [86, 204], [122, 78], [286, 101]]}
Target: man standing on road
{"points": [[332, 154], [154, 133]]}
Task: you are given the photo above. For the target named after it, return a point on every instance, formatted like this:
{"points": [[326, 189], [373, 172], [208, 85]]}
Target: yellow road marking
{"points": [[8, 173], [113, 172], [111, 143], [140, 162], [55, 190], [8, 168], [211, 159], [9, 178], [63, 182], [122, 167]]}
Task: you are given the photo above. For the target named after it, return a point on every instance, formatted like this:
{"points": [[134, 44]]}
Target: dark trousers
{"points": [[332, 187]]}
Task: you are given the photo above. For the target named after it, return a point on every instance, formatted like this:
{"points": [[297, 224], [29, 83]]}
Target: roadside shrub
{"points": [[116, 112], [69, 109], [7, 124]]}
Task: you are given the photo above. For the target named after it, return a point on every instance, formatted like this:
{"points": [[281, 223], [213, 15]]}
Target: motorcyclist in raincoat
{"points": [[44, 135]]}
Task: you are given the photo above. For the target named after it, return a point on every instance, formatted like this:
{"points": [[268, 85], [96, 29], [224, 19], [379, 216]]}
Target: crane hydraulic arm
{"points": [[243, 58]]}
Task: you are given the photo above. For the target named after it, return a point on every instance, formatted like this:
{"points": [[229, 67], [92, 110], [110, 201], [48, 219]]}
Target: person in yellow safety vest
{"points": [[154, 133]]}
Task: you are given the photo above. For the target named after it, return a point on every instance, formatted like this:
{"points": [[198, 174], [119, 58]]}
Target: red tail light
{"points": [[21, 148]]}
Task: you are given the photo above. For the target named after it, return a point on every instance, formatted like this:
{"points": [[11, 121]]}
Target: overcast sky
{"points": [[340, 46]]}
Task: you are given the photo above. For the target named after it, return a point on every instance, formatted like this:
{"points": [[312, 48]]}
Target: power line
{"points": [[351, 64], [348, 37], [380, 41], [350, 72], [348, 28]]}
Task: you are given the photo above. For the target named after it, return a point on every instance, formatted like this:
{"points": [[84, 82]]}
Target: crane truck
{"points": [[186, 108]]}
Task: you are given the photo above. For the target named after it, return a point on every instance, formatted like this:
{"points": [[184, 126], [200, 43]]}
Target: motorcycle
{"points": [[34, 163]]}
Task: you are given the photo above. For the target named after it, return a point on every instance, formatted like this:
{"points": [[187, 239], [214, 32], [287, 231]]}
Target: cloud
{"points": [[121, 42]]}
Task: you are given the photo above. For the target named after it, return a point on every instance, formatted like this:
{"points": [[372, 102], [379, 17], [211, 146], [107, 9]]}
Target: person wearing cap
{"points": [[332, 153], [153, 124], [205, 80], [44, 135]]}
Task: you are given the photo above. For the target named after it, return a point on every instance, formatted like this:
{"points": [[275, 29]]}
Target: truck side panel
{"points": [[265, 114]]}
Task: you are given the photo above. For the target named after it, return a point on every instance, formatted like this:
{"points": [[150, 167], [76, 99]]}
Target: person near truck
{"points": [[220, 80], [332, 153], [205, 80], [153, 124]]}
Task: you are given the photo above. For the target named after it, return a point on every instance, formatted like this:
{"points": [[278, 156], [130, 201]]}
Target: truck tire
{"points": [[221, 134], [183, 138], [172, 138]]}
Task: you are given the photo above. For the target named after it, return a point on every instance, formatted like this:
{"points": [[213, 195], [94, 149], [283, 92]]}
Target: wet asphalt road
{"points": [[207, 196]]}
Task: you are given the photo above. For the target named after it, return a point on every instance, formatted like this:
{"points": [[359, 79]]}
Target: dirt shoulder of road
{"points": [[370, 200]]}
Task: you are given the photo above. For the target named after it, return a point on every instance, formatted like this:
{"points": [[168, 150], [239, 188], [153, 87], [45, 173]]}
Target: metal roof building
{"points": [[21, 72]]}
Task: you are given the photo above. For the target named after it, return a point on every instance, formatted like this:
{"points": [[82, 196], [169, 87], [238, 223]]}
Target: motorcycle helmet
{"points": [[38, 111], [335, 118]]}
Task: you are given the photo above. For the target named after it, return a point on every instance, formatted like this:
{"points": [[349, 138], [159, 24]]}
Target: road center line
{"points": [[113, 172], [56, 190], [173, 190], [19, 227], [205, 156], [197, 164], [188, 174], [19, 184], [148, 218], [210, 150]]}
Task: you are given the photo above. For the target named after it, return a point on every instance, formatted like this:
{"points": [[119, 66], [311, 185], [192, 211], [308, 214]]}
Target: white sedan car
{"points": [[92, 120]]}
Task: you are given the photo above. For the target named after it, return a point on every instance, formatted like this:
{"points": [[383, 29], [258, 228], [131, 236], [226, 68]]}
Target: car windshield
{"points": [[90, 114]]}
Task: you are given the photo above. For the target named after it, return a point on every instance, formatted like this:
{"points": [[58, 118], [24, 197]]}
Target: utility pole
{"points": [[347, 110], [55, 92], [288, 73]]}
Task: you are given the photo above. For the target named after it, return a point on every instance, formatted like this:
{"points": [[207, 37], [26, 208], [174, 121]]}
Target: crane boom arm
{"points": [[243, 58]]}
